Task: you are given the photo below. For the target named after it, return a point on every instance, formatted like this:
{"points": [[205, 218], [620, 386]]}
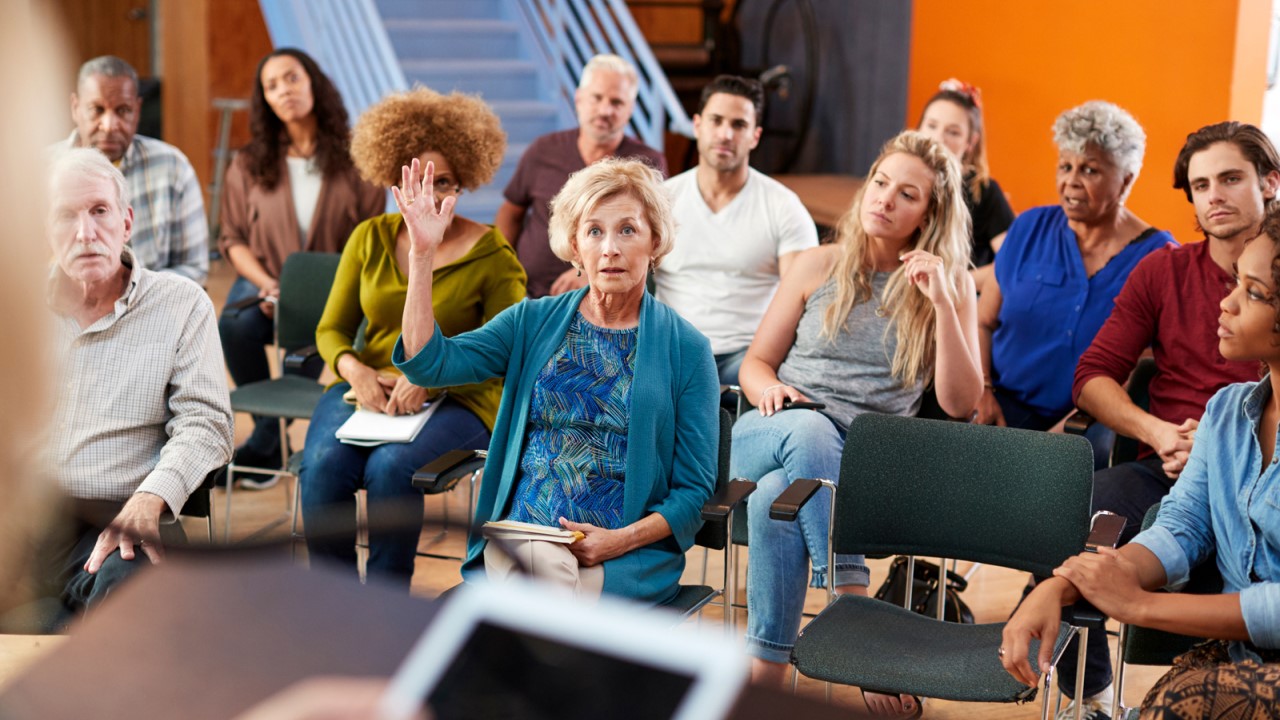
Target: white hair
{"points": [[88, 162], [613, 64], [1108, 127]]}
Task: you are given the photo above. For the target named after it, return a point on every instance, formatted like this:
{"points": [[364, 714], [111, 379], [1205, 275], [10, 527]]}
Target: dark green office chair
{"points": [[911, 486], [718, 515], [1144, 646], [305, 281]]}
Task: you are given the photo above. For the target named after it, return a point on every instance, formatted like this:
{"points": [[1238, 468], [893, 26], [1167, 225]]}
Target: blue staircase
{"points": [[522, 56], [479, 47]]}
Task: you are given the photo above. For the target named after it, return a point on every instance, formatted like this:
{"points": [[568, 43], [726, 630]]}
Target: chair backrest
{"points": [[1144, 646], [1126, 448], [305, 281], [712, 535], [911, 486]]}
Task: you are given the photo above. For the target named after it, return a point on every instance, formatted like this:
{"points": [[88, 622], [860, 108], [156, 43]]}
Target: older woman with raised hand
{"points": [[292, 188], [861, 325], [1059, 270], [476, 276], [608, 423]]}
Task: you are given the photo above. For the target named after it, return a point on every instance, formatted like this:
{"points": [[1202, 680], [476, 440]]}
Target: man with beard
{"points": [[1230, 172], [737, 229], [605, 98]]}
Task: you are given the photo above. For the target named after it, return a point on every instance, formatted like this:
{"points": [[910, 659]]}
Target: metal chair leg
{"points": [[1080, 656], [226, 521], [1117, 702]]}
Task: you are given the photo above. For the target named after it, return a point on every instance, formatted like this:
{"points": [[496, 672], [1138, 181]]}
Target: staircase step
{"points": [[525, 120], [482, 204], [492, 9], [492, 79], [454, 39]]}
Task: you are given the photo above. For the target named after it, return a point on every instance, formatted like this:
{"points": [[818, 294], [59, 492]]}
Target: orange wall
{"points": [[1176, 65]]}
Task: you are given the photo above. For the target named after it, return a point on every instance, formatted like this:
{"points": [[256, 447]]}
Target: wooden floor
{"points": [[992, 591]]}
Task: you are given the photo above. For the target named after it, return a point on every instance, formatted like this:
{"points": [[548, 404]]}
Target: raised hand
{"points": [[415, 197]]}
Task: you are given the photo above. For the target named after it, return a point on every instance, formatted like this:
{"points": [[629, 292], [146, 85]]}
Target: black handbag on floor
{"points": [[924, 592]]}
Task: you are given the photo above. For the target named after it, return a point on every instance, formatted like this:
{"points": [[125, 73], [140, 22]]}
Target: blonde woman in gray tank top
{"points": [[862, 325]]}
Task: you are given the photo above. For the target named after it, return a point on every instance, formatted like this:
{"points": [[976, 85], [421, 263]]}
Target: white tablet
{"points": [[518, 651]]}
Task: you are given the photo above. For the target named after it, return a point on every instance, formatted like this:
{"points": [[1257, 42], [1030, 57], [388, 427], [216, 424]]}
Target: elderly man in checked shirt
{"points": [[143, 412]]}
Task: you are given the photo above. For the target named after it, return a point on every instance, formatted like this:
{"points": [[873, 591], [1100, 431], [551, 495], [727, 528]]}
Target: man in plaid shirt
{"points": [[170, 231]]}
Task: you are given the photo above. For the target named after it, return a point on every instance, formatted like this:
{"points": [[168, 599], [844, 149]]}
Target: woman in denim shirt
{"points": [[1227, 500]]}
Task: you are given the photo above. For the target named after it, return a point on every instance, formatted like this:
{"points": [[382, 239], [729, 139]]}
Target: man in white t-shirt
{"points": [[737, 229]]}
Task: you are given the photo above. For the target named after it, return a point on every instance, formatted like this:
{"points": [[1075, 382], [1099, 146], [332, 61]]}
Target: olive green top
{"points": [[370, 284]]}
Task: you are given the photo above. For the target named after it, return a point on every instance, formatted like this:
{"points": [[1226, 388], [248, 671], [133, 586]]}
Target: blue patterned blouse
{"points": [[575, 458]]}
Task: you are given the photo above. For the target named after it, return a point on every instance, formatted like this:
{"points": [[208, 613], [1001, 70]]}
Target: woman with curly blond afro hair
{"points": [[476, 274]]}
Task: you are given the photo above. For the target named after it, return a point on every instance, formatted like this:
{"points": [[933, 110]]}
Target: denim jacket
{"points": [[1226, 500]]}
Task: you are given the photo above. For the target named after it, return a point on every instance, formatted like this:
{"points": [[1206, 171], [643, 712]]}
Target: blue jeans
{"points": [[773, 451], [244, 334], [727, 365], [333, 471]]}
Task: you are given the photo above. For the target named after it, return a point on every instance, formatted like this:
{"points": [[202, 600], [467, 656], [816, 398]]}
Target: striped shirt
{"points": [[170, 231], [142, 403]]}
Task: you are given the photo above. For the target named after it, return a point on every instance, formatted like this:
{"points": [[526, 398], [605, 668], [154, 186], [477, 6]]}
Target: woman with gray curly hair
{"points": [[478, 276], [1059, 270], [608, 424]]}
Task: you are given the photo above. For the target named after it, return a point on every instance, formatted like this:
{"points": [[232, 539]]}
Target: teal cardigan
{"points": [[672, 438]]}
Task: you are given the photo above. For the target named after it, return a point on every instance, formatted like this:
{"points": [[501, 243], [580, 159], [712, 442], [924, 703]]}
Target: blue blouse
{"points": [[1227, 500], [575, 461], [674, 422], [1051, 308]]}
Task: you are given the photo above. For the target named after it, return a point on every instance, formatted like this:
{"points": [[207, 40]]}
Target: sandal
{"points": [[916, 701]]}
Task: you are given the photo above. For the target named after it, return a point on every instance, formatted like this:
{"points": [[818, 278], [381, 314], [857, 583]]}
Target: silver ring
{"points": [[1000, 652]]}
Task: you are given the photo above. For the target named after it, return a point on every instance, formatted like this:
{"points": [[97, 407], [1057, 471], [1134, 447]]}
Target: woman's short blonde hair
{"points": [[402, 126], [606, 179]]}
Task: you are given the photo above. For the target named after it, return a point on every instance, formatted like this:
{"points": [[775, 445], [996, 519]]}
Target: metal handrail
{"points": [[570, 32]]}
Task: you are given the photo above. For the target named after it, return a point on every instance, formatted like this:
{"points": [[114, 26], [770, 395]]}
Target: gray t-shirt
{"points": [[852, 373]]}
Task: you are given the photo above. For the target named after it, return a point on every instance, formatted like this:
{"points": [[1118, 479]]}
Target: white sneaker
{"points": [[1096, 707]]}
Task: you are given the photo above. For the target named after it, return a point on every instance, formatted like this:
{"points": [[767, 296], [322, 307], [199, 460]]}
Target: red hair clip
{"points": [[970, 91]]}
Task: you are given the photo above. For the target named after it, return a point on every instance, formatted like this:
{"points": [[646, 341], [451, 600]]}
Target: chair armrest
{"points": [[1078, 422], [787, 506], [244, 303], [1084, 614], [718, 507], [444, 472], [295, 359]]}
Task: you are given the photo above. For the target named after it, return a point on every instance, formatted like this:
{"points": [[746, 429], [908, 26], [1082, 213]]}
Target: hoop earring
{"points": [[653, 266], [579, 271]]}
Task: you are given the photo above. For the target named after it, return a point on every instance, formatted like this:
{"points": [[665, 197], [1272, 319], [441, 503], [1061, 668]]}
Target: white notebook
{"points": [[368, 428]]}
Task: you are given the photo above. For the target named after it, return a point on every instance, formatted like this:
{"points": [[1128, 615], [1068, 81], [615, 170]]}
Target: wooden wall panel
{"points": [[184, 48], [108, 27], [241, 39]]}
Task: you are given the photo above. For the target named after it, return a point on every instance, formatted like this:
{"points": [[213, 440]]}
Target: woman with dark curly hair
{"points": [[477, 276], [292, 188]]}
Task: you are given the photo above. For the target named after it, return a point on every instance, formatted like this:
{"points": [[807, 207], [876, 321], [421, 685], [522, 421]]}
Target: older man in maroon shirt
{"points": [[1230, 172]]}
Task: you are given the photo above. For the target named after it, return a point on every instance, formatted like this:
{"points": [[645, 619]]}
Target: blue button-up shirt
{"points": [[1227, 500], [1052, 308]]}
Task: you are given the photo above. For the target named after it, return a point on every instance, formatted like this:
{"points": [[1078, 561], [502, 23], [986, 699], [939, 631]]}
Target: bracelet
{"points": [[766, 390]]}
